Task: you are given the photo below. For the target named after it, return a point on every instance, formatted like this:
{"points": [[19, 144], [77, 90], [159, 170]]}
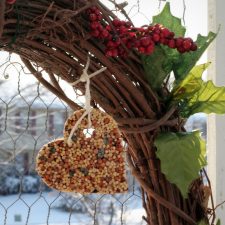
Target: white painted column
{"points": [[216, 124]]}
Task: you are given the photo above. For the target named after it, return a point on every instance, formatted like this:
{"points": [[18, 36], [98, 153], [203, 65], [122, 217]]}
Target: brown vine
{"points": [[2, 16]]}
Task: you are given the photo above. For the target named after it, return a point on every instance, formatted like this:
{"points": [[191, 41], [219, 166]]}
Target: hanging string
{"points": [[85, 77]]}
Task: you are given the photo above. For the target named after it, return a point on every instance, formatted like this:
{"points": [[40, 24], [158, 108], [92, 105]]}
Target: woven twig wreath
{"points": [[94, 164]]}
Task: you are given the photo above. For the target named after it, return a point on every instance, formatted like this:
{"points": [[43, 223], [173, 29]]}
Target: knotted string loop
{"points": [[85, 77]]}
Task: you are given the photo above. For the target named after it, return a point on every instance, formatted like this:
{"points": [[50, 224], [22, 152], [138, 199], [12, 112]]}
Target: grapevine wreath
{"points": [[136, 90]]}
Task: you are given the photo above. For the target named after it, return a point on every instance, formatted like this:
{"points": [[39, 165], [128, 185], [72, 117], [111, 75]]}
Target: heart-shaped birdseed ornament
{"points": [[90, 164]]}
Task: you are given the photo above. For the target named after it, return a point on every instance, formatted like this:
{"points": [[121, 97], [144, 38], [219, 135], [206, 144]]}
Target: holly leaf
{"points": [[190, 84], [188, 60], [182, 156], [169, 21]]}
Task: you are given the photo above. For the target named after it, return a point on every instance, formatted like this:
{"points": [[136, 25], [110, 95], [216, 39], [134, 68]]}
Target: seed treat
{"points": [[93, 164]]}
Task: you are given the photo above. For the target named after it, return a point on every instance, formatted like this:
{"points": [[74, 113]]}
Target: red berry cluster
{"points": [[122, 36]]}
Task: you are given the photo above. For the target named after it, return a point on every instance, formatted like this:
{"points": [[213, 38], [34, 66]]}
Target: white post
{"points": [[216, 124]]}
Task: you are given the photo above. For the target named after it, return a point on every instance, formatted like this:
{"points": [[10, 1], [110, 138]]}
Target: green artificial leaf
{"points": [[195, 95], [182, 156], [190, 84], [188, 60], [157, 66], [209, 99], [169, 21]]}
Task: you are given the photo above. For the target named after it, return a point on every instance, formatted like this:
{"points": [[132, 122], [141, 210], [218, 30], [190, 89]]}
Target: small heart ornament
{"points": [[93, 164]]}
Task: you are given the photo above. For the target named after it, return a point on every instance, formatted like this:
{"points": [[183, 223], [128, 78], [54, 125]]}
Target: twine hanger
{"points": [[85, 77]]}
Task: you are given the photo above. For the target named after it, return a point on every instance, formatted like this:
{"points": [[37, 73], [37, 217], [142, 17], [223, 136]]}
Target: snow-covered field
{"points": [[36, 209]]}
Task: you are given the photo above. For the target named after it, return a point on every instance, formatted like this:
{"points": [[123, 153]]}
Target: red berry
{"points": [[189, 39], [105, 33], [100, 27], [114, 52], [145, 41], [172, 43], [117, 42], [149, 50], [123, 30], [116, 22], [132, 34], [97, 11], [124, 40], [179, 42], [137, 44], [150, 28], [95, 25], [93, 17], [128, 24], [162, 35], [108, 28], [194, 47], [165, 32], [129, 44], [157, 31], [111, 44], [123, 23], [157, 26], [171, 35], [109, 37], [109, 53], [155, 37], [141, 49], [187, 44], [163, 41], [181, 49], [95, 33], [99, 17]]}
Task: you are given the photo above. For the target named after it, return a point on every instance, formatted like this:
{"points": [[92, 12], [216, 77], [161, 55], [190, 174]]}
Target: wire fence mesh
{"points": [[31, 116]]}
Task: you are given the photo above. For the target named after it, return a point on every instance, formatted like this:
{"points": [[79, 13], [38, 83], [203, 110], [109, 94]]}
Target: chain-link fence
{"points": [[31, 116]]}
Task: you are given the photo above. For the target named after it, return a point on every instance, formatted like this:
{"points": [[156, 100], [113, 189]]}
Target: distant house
{"points": [[24, 128]]}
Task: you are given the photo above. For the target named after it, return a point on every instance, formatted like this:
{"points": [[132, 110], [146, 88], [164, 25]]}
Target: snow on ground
{"points": [[36, 209], [41, 210]]}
